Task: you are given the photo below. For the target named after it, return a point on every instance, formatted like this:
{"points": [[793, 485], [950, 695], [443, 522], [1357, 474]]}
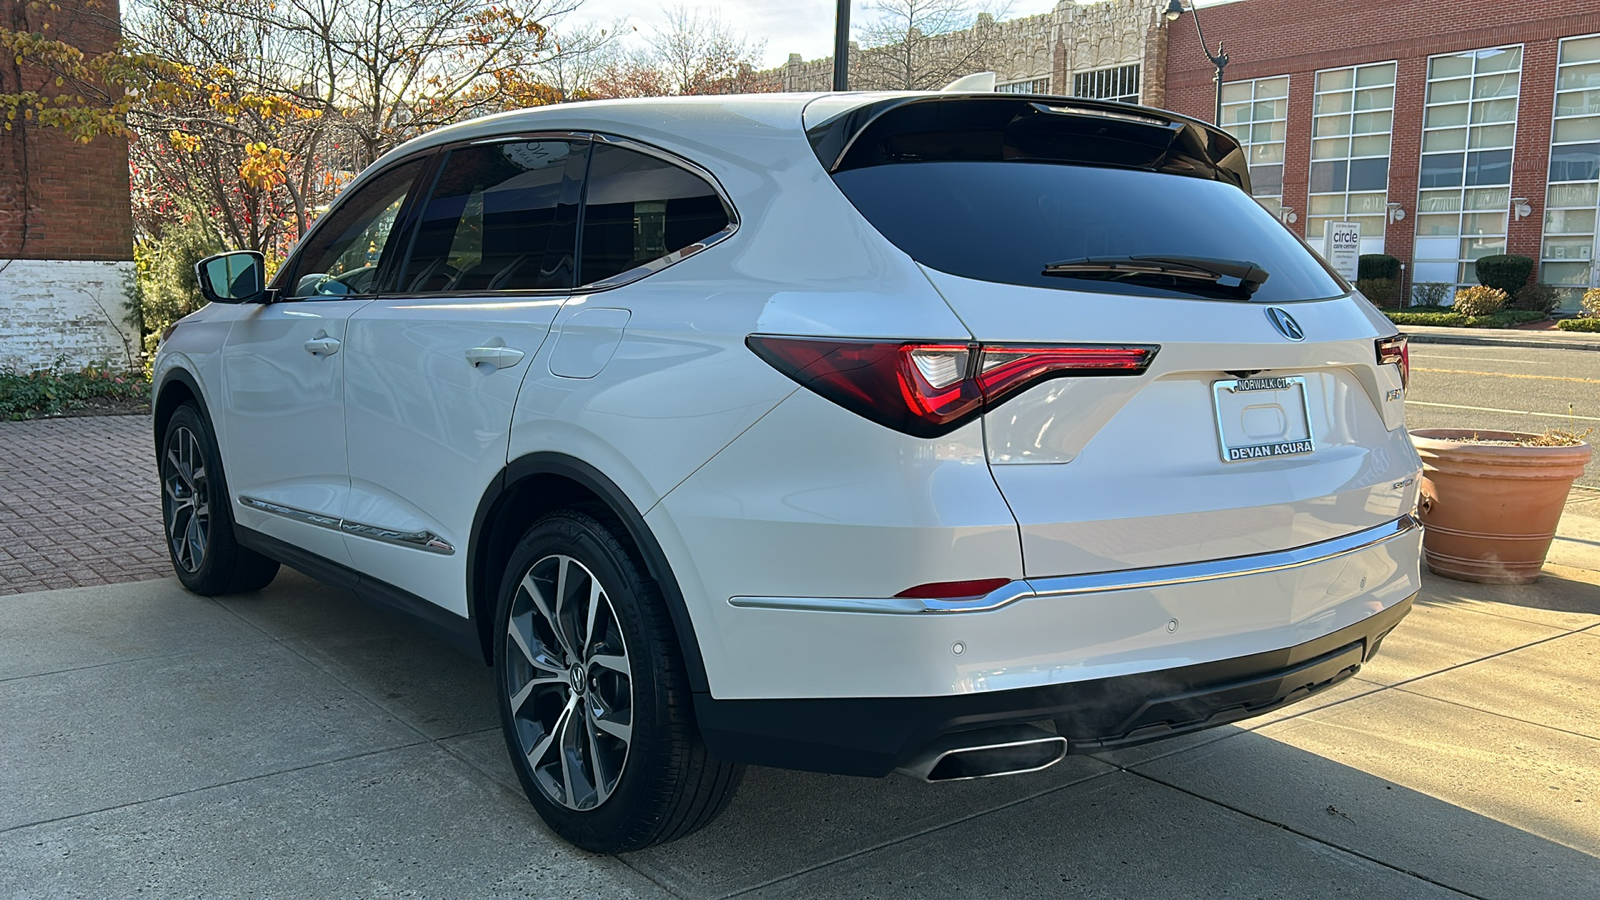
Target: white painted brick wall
{"points": [[51, 307]]}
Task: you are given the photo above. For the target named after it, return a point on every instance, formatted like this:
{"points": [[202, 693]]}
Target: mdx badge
{"points": [[1285, 324]]}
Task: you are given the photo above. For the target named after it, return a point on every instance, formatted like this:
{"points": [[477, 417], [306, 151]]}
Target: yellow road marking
{"points": [[1507, 375]]}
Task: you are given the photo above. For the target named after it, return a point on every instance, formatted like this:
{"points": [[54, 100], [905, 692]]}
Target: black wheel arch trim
{"points": [[158, 413], [484, 585]]}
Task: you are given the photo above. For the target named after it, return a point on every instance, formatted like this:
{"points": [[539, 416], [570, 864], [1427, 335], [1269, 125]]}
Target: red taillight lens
{"points": [[930, 388], [1005, 369], [1394, 351]]}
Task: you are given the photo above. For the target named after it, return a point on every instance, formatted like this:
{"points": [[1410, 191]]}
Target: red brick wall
{"points": [[60, 199], [1297, 38]]}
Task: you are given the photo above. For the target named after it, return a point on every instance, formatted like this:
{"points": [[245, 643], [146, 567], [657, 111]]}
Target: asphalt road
{"points": [[1505, 389]]}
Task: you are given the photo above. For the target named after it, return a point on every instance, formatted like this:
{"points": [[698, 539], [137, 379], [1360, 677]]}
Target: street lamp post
{"points": [[1220, 60], [841, 48]]}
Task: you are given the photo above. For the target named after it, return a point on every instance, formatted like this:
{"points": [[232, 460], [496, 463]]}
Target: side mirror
{"points": [[236, 277]]}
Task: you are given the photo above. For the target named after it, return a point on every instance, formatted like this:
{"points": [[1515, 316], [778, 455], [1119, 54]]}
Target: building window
{"points": [[1567, 260], [1120, 84], [1353, 117], [1469, 129], [1025, 86], [1256, 112]]}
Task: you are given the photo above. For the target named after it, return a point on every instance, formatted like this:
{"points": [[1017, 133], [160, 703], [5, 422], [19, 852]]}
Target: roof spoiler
{"points": [[967, 127]]}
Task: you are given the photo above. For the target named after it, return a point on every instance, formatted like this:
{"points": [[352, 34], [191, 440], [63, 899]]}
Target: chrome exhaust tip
{"points": [[987, 753]]}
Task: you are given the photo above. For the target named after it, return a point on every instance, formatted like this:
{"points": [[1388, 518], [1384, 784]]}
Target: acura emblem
{"points": [[1285, 324]]}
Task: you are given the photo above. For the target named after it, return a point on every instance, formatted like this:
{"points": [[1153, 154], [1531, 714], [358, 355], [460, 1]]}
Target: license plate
{"points": [[1262, 418]]}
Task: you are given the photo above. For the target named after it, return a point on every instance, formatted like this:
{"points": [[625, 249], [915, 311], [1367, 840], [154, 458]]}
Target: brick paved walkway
{"points": [[79, 504]]}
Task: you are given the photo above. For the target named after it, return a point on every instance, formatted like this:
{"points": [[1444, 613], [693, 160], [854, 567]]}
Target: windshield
{"points": [[1007, 221]]}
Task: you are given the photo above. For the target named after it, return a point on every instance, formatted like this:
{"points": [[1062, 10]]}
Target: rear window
{"points": [[1005, 221], [999, 189]]}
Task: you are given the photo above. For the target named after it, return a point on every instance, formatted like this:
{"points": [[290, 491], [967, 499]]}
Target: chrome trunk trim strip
{"points": [[418, 540], [1102, 582]]}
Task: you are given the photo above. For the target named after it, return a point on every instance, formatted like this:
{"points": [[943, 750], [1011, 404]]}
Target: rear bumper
{"points": [[1039, 632], [874, 736]]}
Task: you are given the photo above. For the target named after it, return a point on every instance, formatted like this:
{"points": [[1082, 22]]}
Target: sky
{"points": [[787, 26]]}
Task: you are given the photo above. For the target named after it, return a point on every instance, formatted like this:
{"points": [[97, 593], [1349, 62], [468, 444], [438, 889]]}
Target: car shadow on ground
{"points": [[1558, 589], [1364, 792]]}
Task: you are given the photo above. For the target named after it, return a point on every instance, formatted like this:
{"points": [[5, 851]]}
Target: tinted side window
{"points": [[638, 208], [341, 256], [502, 217]]}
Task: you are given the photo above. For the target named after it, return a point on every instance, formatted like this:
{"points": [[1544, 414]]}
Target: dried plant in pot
{"points": [[1491, 500]]}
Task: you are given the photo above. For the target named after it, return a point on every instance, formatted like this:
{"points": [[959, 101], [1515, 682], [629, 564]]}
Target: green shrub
{"points": [[1591, 325], [57, 389], [1480, 300], [1507, 272], [166, 290], [1383, 292], [1536, 298], [1377, 265], [1445, 318], [1430, 293]]}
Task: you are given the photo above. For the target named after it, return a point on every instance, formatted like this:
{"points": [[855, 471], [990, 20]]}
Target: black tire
{"points": [[618, 795], [196, 518]]}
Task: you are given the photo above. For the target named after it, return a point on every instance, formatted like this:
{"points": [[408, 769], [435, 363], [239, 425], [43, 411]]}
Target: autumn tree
{"points": [[575, 58], [695, 53], [921, 45], [355, 78]]}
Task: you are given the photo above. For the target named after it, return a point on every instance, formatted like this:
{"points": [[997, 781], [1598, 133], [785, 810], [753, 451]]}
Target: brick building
{"points": [[1449, 131], [1113, 49], [66, 223]]}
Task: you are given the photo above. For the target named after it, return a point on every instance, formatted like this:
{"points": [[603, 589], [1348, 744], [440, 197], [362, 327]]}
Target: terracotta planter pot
{"points": [[1489, 511]]}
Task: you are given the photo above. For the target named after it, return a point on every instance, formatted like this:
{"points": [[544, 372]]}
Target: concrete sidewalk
{"points": [[1502, 337], [294, 743]]}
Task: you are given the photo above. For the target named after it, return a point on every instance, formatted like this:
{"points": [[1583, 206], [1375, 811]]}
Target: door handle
{"points": [[498, 357], [322, 346]]}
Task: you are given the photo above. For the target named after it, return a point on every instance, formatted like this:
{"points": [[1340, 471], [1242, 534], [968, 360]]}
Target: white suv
{"points": [[947, 433]]}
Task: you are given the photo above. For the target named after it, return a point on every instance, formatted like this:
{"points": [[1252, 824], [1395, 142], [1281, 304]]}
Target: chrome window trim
{"points": [[1103, 582], [657, 264], [417, 540], [524, 136]]}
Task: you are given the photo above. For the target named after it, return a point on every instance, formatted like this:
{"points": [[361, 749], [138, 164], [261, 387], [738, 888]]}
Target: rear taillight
{"points": [[1392, 350], [930, 388]]}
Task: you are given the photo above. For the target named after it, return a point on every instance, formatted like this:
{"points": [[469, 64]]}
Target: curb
{"points": [[1487, 341]]}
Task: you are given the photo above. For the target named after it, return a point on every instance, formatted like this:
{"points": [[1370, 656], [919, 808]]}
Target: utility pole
{"points": [[841, 48]]}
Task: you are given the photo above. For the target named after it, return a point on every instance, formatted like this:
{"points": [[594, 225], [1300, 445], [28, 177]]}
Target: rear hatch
{"points": [[1265, 420]]}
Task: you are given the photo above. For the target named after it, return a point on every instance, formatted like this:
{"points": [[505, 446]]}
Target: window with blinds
{"points": [[1257, 113], [1353, 115], [1469, 130], [1567, 260], [1120, 84]]}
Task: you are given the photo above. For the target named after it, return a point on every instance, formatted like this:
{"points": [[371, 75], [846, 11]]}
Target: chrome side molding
{"points": [[1100, 582], [417, 540]]}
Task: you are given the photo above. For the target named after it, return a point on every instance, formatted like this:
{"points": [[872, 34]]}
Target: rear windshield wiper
{"points": [[1240, 274]]}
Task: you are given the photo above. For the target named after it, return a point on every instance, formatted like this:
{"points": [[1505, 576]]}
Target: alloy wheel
{"points": [[570, 683], [186, 499]]}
